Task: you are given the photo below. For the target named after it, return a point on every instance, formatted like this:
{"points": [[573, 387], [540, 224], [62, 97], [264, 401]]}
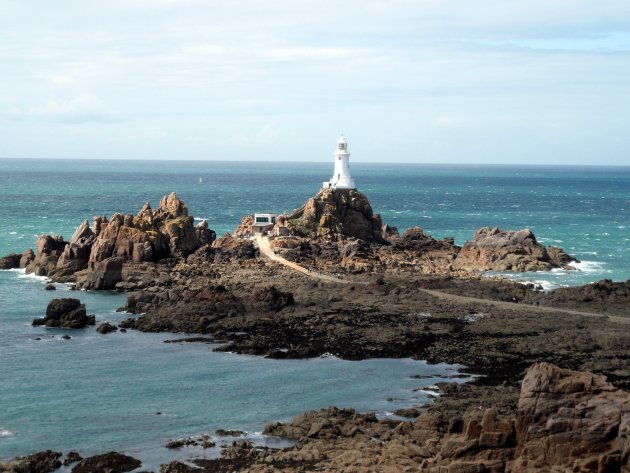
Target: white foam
{"points": [[12, 233], [4, 433], [589, 266]]}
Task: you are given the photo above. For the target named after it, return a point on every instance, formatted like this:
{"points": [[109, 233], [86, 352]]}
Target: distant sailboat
{"points": [[200, 180]]}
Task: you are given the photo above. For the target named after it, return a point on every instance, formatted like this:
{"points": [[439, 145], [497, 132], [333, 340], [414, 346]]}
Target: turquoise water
{"points": [[96, 393], [586, 210]]}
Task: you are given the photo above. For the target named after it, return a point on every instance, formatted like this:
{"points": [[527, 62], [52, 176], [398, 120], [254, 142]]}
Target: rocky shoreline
{"points": [[397, 296]]}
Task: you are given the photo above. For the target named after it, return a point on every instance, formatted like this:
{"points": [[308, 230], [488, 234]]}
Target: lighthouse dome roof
{"points": [[342, 140]]}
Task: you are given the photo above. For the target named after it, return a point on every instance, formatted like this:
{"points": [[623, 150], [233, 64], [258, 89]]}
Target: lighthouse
{"points": [[341, 178]]}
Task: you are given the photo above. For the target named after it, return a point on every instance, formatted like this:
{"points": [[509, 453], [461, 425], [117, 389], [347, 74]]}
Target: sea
{"points": [[131, 392]]}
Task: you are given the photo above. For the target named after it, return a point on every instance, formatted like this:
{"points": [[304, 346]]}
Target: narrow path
{"points": [[265, 249], [512, 305]]}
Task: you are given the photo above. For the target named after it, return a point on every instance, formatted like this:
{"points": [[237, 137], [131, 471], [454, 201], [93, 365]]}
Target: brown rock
{"points": [[41, 462], [493, 249], [111, 462], [49, 249], [336, 212], [104, 274], [571, 421], [10, 261], [65, 313], [27, 257]]}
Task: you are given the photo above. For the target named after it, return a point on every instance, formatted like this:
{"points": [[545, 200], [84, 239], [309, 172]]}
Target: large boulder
{"points": [[10, 261], [493, 249], [111, 462], [65, 313], [571, 421]]}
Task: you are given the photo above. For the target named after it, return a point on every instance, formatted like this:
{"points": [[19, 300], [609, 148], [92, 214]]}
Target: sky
{"points": [[417, 81]]}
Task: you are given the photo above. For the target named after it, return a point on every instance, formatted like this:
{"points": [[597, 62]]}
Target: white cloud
{"points": [[83, 108]]}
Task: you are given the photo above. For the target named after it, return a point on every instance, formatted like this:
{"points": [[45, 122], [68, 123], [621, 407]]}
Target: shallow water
{"points": [[96, 393]]}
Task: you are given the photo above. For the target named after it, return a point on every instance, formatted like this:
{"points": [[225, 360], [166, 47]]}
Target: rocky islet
{"points": [[185, 280]]}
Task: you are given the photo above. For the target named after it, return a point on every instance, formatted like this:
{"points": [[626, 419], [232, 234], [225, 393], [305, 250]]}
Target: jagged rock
{"points": [[571, 421], [179, 467], [111, 462], [337, 212], [493, 249], [49, 249], [104, 274], [244, 228], [235, 248], [40, 462], [106, 328], [205, 236], [27, 257], [77, 253], [65, 313], [10, 261], [50, 287]]}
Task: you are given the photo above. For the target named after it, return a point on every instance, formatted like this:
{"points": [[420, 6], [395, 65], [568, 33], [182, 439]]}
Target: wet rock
{"points": [[27, 257], [179, 467], [10, 261], [105, 328], [41, 462], [65, 313], [111, 462], [72, 457], [50, 287], [229, 433]]}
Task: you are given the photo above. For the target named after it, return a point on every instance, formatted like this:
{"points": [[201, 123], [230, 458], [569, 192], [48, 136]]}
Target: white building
{"points": [[263, 222], [341, 178]]}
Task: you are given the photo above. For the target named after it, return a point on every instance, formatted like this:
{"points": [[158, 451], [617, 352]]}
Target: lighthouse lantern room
{"points": [[341, 178]]}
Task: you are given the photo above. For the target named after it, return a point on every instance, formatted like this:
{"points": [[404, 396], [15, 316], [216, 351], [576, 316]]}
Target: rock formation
{"points": [[493, 249], [337, 212], [571, 421], [10, 261], [112, 462], [65, 313], [94, 256], [40, 462]]}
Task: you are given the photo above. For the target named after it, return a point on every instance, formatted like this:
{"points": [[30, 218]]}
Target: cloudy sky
{"points": [[426, 81]]}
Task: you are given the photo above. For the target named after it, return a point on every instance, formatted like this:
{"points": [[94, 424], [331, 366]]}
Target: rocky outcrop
{"points": [[93, 256], [493, 249], [571, 421], [10, 261], [106, 328], [111, 462], [49, 249], [77, 253], [40, 462], [601, 296], [336, 212], [65, 313]]}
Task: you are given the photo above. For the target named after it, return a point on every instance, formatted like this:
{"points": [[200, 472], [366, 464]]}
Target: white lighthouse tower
{"points": [[341, 178]]}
